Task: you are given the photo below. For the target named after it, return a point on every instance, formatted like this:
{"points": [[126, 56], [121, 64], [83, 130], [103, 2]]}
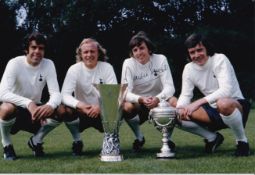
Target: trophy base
{"points": [[168, 155], [107, 158]]}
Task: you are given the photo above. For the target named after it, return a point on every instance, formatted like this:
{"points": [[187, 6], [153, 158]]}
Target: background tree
{"points": [[8, 46], [230, 23]]}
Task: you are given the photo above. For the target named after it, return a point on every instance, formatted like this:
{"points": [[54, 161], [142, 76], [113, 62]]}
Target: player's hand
{"points": [[32, 108], [83, 108], [152, 102], [94, 111], [90, 110], [183, 113], [149, 102], [194, 106], [43, 112]]}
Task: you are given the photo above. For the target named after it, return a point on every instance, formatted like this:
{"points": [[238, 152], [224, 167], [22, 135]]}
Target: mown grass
{"points": [[190, 157]]}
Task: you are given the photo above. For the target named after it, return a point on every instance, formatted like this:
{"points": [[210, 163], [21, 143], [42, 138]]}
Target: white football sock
{"points": [[44, 130], [234, 122], [5, 128], [134, 125], [73, 127], [194, 128]]}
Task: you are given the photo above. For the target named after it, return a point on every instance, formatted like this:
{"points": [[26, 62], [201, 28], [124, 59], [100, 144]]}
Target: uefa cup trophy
{"points": [[111, 97], [164, 118]]}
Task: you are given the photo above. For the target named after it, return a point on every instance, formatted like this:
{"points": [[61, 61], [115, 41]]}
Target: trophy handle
{"points": [[164, 125]]}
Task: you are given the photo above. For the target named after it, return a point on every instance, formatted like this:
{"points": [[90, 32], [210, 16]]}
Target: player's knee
{"points": [[64, 113], [172, 101], [129, 111], [6, 110], [128, 107], [225, 106], [61, 110]]}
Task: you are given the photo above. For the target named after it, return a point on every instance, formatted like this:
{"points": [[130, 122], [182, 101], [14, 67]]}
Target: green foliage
{"points": [[8, 34], [190, 155], [113, 22]]}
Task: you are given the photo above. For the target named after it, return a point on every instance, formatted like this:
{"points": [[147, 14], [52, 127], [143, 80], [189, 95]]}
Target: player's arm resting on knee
{"points": [[185, 112], [95, 111], [149, 102], [40, 112], [83, 107]]}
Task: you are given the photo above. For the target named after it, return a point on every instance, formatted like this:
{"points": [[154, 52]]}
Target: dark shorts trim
{"points": [[143, 114], [217, 122], [24, 121], [87, 122], [141, 110]]}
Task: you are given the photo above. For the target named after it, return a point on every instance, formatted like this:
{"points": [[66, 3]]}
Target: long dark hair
{"points": [[197, 38], [38, 37], [137, 40]]}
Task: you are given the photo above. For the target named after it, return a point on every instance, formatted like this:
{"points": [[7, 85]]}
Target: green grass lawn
{"points": [[190, 156]]}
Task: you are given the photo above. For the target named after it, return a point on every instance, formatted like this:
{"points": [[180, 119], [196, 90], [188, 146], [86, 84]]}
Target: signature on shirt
{"points": [[154, 71]]}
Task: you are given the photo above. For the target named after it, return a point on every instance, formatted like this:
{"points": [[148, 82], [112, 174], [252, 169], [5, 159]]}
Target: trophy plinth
{"points": [[165, 150], [111, 148], [111, 96], [164, 118]]}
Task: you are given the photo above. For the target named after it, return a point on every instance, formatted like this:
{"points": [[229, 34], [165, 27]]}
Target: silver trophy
{"points": [[164, 118], [111, 98]]}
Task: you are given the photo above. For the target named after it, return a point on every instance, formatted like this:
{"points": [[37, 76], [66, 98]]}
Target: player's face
{"points": [[198, 54], [141, 53], [35, 53], [89, 54]]}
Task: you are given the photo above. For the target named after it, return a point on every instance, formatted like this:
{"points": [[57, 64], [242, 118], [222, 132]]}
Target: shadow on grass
{"points": [[191, 152], [188, 152], [182, 152], [61, 155]]}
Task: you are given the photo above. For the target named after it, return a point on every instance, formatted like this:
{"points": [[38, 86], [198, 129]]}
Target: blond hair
{"points": [[101, 51]]}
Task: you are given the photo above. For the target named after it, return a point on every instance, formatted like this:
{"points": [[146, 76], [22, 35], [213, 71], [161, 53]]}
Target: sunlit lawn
{"points": [[190, 156]]}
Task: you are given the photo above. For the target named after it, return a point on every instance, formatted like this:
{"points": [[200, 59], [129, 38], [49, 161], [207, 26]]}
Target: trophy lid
{"points": [[163, 107]]}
